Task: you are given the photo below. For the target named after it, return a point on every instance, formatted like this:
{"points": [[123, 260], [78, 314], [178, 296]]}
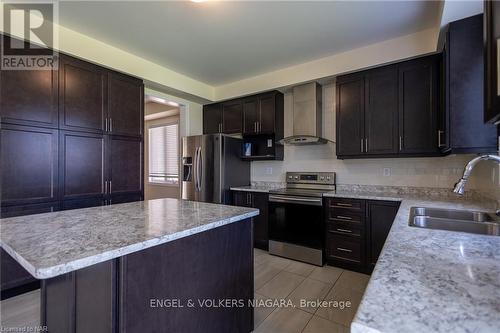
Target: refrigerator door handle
{"points": [[196, 169], [200, 173]]}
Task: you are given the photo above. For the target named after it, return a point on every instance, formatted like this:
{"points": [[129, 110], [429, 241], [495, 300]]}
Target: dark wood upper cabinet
{"points": [[82, 95], [268, 108], [350, 115], [381, 111], [212, 118], [125, 105], [381, 215], [462, 128], [251, 115], [418, 106], [232, 115], [125, 165], [29, 97], [28, 160], [82, 165], [492, 65]]}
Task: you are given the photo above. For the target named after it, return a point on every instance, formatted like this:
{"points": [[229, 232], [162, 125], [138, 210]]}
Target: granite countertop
{"points": [[51, 244], [253, 188], [431, 280]]}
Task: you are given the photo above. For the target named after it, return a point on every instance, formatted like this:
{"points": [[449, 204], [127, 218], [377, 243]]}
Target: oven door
{"points": [[296, 220]]}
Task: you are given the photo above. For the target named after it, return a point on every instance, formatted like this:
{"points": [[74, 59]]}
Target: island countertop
{"points": [[430, 280], [51, 244]]}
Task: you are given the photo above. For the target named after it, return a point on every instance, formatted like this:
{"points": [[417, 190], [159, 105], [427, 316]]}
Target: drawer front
{"points": [[341, 228], [346, 216], [350, 204], [344, 248]]}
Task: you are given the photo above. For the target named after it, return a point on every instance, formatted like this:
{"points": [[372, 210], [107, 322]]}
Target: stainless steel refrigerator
{"points": [[211, 164]]}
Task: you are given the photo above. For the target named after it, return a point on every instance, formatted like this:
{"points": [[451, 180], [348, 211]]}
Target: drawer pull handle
{"points": [[344, 250], [343, 204], [344, 230], [344, 217]]}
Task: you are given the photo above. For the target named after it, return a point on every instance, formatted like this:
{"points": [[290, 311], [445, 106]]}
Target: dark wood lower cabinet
{"points": [[132, 293], [260, 223], [356, 231], [14, 278]]}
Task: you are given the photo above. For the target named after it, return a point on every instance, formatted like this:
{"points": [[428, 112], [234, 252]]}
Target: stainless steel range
{"points": [[296, 228]]}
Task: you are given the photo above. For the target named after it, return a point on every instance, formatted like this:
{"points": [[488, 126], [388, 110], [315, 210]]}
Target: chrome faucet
{"points": [[460, 186]]}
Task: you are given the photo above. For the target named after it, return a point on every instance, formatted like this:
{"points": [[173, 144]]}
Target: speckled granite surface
{"points": [[431, 280], [51, 244]]}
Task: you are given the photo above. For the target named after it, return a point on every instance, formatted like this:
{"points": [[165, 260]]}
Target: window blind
{"points": [[164, 154]]}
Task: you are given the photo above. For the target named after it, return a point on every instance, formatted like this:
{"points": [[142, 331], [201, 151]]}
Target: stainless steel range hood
{"points": [[307, 113]]}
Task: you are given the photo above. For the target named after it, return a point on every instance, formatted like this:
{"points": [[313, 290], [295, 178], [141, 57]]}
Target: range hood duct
{"points": [[307, 116]]}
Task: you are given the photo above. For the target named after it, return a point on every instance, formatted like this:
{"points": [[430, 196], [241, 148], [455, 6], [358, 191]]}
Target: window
{"points": [[164, 154]]}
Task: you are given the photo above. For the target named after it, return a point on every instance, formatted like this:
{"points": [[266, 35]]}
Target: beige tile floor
{"points": [[279, 278], [276, 278]]}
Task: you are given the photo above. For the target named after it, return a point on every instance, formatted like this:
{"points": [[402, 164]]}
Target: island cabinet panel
{"points": [[212, 265], [82, 95], [125, 105], [29, 97], [12, 274], [28, 160], [418, 106], [356, 231], [260, 222], [81, 301], [82, 165]]}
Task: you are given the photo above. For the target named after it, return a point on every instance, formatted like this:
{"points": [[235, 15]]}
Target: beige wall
{"points": [[151, 190], [424, 172]]}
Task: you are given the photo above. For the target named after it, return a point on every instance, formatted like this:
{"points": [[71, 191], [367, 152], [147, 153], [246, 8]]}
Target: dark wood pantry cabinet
{"points": [[260, 222], [492, 65], [212, 118], [462, 129], [69, 139]]}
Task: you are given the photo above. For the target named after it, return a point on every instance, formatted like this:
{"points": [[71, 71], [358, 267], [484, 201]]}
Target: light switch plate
{"points": [[387, 172], [269, 170], [269, 143]]}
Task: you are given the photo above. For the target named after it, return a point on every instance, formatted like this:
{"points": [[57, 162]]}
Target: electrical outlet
{"points": [[387, 172], [269, 171]]}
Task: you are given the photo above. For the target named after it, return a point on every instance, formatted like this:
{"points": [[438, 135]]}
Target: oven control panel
{"points": [[327, 178]]}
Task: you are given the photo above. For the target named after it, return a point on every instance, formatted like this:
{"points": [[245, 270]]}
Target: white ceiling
{"points": [[221, 42]]}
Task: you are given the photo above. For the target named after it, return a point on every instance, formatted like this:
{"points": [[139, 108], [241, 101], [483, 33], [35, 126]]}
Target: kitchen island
{"points": [[151, 266]]}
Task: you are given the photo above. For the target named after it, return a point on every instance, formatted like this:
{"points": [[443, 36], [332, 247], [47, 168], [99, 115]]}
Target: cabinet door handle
{"points": [[344, 230], [255, 127], [366, 145], [259, 126], [111, 124], [400, 143], [344, 250], [440, 144], [343, 204], [362, 145], [105, 187], [105, 124], [110, 186], [344, 217], [220, 128]]}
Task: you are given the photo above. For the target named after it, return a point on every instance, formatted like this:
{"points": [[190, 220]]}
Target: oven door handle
{"points": [[296, 200]]}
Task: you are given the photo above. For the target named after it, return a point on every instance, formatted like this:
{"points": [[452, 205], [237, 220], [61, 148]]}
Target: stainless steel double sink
{"points": [[475, 222]]}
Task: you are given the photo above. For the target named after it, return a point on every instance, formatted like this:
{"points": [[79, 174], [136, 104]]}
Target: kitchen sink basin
{"points": [[455, 220]]}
